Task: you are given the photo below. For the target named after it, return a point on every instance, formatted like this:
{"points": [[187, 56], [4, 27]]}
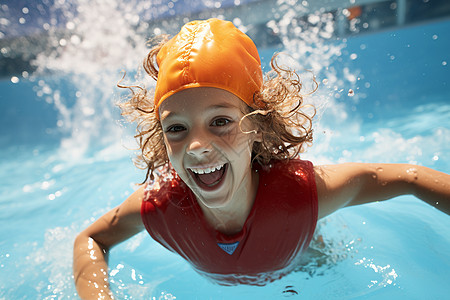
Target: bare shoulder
{"points": [[120, 223], [349, 184], [337, 185], [331, 177], [132, 205]]}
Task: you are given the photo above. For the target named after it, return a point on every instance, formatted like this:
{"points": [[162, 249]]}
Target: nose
{"points": [[199, 146]]}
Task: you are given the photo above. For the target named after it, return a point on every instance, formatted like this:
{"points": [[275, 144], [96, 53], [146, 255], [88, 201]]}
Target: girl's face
{"points": [[206, 145]]}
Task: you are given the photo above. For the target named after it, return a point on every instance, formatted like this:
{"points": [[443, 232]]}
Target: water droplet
{"points": [[379, 169], [444, 63], [75, 39], [27, 188], [25, 10], [14, 79], [88, 111], [412, 172], [435, 37], [435, 158], [346, 12], [353, 56], [351, 93]]}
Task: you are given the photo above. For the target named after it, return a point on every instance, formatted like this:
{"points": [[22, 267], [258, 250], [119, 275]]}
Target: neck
{"points": [[230, 219]]}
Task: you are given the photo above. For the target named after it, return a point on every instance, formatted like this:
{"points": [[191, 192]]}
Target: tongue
{"points": [[210, 178]]}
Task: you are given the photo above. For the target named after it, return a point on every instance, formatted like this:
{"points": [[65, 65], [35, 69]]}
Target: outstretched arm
{"points": [[358, 183], [90, 265]]}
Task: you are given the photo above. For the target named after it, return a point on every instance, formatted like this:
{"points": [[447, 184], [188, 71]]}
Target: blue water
{"points": [[399, 111]]}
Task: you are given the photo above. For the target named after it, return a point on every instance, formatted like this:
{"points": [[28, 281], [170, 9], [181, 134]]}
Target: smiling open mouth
{"points": [[209, 178]]}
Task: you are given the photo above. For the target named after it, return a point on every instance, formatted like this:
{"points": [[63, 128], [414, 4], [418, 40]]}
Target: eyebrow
{"points": [[209, 108], [220, 106]]}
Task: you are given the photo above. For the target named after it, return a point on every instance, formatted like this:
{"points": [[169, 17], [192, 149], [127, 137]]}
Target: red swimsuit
{"points": [[278, 228]]}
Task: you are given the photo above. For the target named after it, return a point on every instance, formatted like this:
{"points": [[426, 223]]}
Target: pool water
{"points": [[384, 97]]}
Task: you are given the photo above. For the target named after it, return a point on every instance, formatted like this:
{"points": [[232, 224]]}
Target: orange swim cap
{"points": [[211, 53]]}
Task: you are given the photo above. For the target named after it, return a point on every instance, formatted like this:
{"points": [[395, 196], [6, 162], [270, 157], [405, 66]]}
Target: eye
{"points": [[175, 128], [220, 122]]}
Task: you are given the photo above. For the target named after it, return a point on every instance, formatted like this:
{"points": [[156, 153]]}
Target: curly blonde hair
{"points": [[285, 127]]}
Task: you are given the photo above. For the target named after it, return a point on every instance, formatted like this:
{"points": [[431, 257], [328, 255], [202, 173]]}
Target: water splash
{"points": [[309, 38], [387, 273], [311, 42], [99, 39], [95, 40]]}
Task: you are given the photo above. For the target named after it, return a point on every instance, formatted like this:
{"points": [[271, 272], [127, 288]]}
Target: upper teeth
{"points": [[207, 170]]}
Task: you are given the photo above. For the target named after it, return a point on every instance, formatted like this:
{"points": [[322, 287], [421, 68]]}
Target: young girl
{"points": [[220, 145]]}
